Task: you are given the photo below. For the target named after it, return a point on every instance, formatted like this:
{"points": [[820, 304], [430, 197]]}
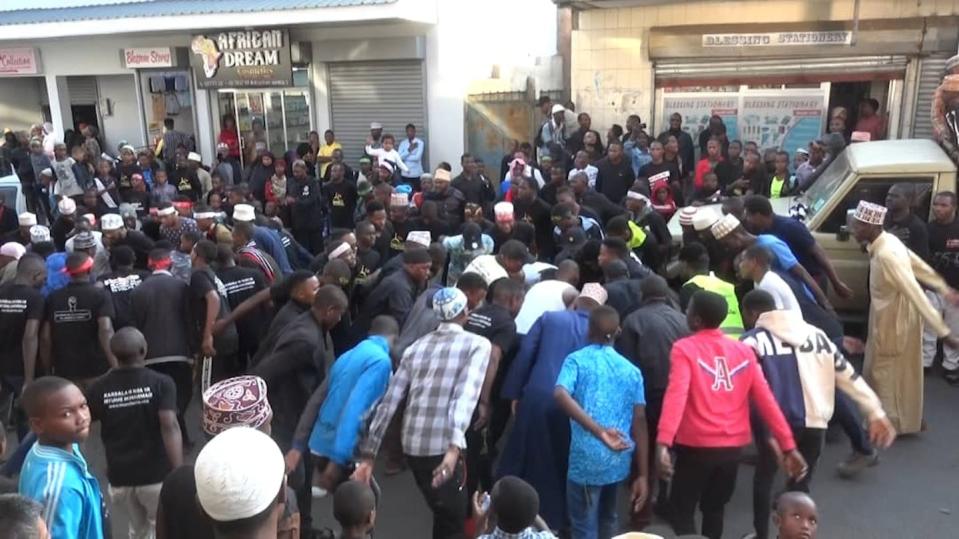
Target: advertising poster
{"points": [[787, 122], [697, 109]]}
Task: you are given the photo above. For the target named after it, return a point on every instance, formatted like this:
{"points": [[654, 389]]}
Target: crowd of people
{"points": [[512, 332]]}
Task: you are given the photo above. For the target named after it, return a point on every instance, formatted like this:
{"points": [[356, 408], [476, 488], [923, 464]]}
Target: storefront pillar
{"points": [[58, 93], [205, 128]]}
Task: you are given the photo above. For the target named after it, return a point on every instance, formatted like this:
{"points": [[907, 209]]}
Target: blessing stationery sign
{"points": [[242, 59], [778, 39]]}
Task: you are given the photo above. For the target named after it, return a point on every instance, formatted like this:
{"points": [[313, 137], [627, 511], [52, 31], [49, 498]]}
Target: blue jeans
{"points": [[592, 510]]}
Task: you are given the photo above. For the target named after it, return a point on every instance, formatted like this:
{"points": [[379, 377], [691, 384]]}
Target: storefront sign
{"points": [[778, 39], [19, 62], [146, 57], [242, 59]]}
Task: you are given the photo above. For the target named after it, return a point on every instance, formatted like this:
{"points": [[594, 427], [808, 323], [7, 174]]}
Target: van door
{"points": [[847, 256]]}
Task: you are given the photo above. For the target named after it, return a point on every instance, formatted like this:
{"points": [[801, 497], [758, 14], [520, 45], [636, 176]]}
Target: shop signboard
{"points": [[779, 39], [698, 108], [21, 61], [242, 59], [148, 57]]}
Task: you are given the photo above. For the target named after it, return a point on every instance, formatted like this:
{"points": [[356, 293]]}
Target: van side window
{"points": [[874, 190]]}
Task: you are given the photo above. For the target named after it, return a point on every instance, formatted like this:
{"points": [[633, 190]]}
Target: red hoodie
{"points": [[712, 379]]}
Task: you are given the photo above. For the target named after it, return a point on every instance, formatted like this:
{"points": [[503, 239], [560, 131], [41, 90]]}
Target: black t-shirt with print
{"points": [[121, 285], [127, 402], [341, 198], [522, 231], [944, 245], [18, 304], [140, 200], [73, 313]]}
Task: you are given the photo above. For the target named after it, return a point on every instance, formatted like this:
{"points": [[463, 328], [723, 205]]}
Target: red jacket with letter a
{"points": [[712, 379]]}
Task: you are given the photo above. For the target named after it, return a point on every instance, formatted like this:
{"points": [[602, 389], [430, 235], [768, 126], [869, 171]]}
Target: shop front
{"points": [[164, 85], [21, 78], [258, 84], [776, 86]]}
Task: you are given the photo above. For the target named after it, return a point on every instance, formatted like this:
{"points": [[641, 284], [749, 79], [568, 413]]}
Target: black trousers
{"points": [[182, 374], [448, 503], [311, 240], [703, 476], [657, 488], [481, 451], [809, 442]]}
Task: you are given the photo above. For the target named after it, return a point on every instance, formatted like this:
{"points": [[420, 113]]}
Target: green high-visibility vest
{"points": [[733, 323]]}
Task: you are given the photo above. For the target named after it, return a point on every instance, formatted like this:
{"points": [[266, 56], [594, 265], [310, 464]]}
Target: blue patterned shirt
{"points": [[607, 386]]}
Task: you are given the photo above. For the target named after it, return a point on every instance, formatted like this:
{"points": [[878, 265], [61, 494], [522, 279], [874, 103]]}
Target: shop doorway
{"points": [[84, 115], [275, 121]]}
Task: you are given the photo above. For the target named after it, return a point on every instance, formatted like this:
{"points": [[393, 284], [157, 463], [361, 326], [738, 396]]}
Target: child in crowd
{"points": [[386, 153], [66, 180], [55, 473], [512, 509], [796, 516], [354, 507], [781, 183], [709, 193], [601, 452], [663, 201], [163, 191]]}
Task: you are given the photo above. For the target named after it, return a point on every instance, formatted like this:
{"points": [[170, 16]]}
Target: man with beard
{"points": [[115, 234], [449, 199]]}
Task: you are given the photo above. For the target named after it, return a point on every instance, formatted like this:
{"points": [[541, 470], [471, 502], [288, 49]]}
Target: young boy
{"points": [[162, 190], [136, 407], [600, 451], [796, 516], [354, 507], [709, 193], [781, 183], [514, 505], [55, 473], [387, 153]]}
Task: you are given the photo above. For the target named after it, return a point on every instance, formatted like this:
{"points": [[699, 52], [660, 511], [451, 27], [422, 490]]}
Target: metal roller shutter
{"points": [[670, 72], [83, 90], [392, 93], [931, 69]]}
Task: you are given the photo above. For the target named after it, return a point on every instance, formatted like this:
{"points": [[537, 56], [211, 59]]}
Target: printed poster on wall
{"points": [[242, 59], [696, 111], [787, 122]]}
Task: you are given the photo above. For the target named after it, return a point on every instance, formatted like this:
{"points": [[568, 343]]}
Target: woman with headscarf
{"points": [[259, 174]]}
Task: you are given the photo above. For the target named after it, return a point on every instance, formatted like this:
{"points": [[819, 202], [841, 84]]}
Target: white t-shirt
{"points": [[545, 296], [780, 291]]}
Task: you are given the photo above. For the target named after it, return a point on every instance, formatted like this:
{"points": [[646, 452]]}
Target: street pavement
{"points": [[911, 494]]}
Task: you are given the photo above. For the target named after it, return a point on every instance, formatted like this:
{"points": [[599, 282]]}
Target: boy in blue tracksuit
{"points": [[803, 369], [55, 474]]}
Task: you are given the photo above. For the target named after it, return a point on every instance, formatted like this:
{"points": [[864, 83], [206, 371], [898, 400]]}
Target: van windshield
{"points": [[828, 183]]}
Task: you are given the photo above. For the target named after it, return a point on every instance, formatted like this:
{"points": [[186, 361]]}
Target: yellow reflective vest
{"points": [[733, 324]]}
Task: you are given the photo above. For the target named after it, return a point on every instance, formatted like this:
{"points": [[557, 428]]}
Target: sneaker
{"points": [[952, 377], [856, 463]]}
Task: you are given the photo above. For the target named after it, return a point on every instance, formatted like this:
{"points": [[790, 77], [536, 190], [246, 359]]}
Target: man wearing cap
{"points": [[897, 311], [266, 239], [399, 224], [75, 338], [730, 233], [21, 234], [448, 198], [126, 168], [465, 247], [10, 253], [307, 209], [239, 402], [437, 416], [115, 234], [553, 131], [194, 163], [538, 446], [63, 224], [90, 242], [206, 221], [341, 197], [506, 227], [186, 179]]}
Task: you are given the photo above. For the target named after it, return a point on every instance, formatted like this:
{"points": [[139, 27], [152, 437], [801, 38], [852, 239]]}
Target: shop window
{"points": [[874, 190]]}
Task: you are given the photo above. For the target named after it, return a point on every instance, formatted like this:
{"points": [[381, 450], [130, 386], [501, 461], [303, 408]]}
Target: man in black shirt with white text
{"points": [[21, 310]]}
